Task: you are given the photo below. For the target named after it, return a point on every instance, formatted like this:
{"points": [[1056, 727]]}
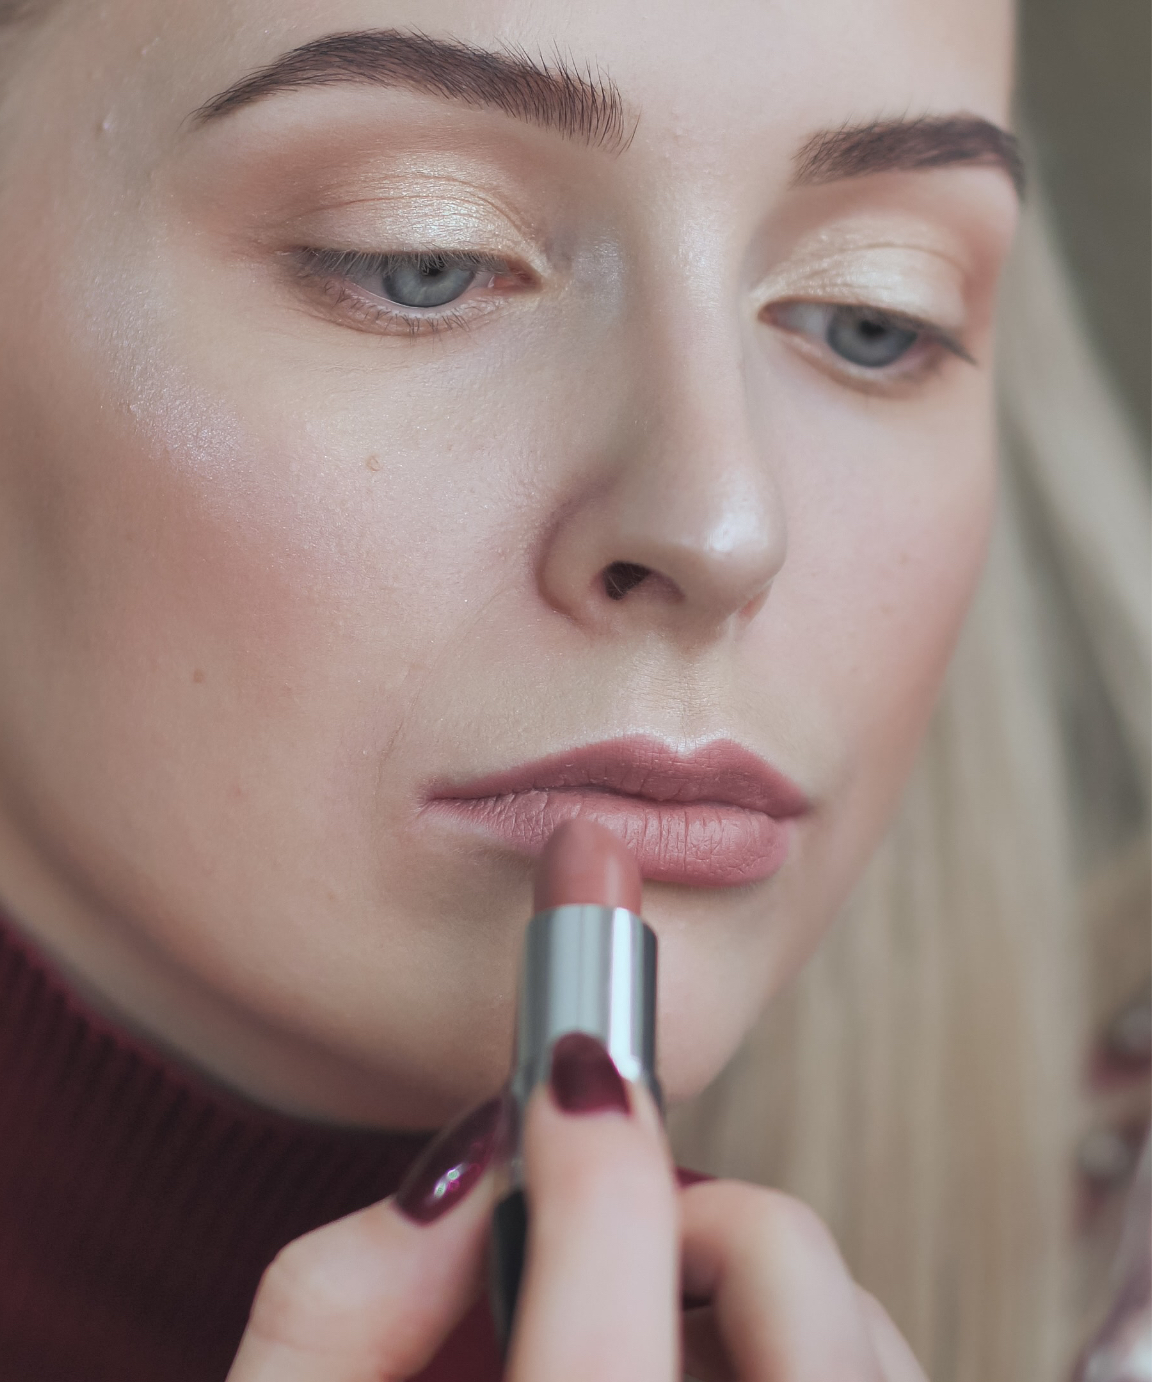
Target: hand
{"points": [[612, 1245]]}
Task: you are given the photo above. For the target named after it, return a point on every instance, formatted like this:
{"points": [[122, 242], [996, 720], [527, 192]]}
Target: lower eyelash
{"points": [[339, 293]]}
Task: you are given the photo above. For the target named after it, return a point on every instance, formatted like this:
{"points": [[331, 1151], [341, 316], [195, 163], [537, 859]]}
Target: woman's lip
{"points": [[716, 816]]}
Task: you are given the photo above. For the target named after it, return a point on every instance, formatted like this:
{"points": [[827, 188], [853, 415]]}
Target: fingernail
{"points": [[584, 1077], [450, 1166]]}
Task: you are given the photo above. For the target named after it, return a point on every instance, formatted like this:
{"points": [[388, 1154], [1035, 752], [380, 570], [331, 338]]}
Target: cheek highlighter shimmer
{"points": [[588, 967]]}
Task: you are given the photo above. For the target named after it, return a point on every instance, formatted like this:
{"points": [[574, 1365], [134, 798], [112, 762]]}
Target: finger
{"points": [[373, 1295], [897, 1361], [785, 1304], [600, 1293]]}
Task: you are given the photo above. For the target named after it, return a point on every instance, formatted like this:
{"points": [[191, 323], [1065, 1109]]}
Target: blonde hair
{"points": [[919, 1083]]}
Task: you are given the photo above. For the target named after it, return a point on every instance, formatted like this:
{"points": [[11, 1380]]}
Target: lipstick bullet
{"points": [[589, 965]]}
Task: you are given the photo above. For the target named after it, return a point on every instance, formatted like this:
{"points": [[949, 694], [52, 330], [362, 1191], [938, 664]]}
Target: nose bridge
{"points": [[697, 496], [675, 521]]}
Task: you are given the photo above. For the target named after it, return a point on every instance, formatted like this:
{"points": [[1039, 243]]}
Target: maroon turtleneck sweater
{"points": [[139, 1203]]}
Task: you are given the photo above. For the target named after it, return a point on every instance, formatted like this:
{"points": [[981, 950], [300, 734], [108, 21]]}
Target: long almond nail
{"points": [[584, 1078], [450, 1166]]}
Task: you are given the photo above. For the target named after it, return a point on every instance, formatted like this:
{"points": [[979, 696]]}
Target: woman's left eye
{"points": [[868, 338], [865, 338]]}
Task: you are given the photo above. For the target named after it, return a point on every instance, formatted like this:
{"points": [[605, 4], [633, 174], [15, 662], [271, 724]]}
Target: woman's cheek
{"points": [[891, 575]]}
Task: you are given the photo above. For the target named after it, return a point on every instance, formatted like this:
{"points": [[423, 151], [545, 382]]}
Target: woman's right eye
{"points": [[405, 291], [429, 280]]}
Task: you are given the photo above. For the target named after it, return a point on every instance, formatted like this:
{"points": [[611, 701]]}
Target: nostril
{"points": [[622, 577]]}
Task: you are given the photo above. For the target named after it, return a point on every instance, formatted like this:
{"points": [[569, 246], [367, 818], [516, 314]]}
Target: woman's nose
{"points": [[677, 526]]}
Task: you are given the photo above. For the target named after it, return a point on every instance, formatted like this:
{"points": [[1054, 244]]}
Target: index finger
{"points": [[785, 1303], [600, 1297]]}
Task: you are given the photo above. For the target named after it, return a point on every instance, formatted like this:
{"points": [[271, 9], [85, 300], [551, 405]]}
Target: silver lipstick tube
{"points": [[584, 969]]}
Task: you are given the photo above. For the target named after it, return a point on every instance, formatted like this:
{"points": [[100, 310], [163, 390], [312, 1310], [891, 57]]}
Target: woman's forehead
{"points": [[676, 74]]}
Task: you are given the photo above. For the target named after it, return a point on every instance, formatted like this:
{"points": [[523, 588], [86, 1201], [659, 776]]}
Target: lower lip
{"points": [[701, 844]]}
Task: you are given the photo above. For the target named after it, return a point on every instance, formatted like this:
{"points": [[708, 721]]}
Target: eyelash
{"points": [[333, 275]]}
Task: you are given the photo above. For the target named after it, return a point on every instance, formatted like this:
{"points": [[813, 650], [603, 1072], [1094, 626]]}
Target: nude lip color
{"points": [[716, 816], [588, 967]]}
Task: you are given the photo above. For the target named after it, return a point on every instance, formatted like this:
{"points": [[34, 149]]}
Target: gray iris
{"points": [[867, 339], [427, 282]]}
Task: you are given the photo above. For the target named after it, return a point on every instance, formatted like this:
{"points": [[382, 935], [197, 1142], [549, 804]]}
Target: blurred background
{"points": [[1086, 98]]}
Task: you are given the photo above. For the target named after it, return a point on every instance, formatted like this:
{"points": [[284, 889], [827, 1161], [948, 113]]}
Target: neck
{"points": [[125, 977]]}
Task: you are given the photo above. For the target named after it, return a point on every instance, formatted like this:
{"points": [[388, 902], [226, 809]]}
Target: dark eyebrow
{"points": [[927, 142], [585, 106]]}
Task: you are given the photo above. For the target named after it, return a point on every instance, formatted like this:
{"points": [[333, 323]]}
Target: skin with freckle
{"points": [[276, 559]]}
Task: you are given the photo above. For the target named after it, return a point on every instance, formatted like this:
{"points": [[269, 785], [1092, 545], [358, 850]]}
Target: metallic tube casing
{"points": [[587, 969]]}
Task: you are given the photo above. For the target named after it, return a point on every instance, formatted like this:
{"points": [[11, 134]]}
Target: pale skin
{"points": [[272, 562]]}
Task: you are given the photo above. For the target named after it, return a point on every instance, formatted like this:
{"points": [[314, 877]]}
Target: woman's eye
{"points": [[864, 336], [403, 292], [867, 338], [425, 281]]}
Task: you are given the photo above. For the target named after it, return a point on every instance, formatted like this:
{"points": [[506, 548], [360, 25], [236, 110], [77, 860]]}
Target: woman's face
{"points": [[381, 435]]}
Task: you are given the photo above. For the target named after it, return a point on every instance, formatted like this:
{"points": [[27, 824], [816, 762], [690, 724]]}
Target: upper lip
{"points": [[648, 770]]}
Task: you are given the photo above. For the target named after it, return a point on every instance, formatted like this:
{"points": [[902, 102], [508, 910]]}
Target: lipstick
{"points": [[588, 965]]}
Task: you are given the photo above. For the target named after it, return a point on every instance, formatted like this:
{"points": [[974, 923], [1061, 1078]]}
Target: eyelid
{"points": [[917, 284], [347, 262], [411, 218]]}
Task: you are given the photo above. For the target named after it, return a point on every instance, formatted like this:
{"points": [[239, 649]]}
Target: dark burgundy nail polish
{"points": [[451, 1165], [584, 1077]]}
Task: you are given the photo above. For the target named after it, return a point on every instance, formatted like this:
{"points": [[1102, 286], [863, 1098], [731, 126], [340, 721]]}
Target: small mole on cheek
{"points": [[372, 462], [198, 675]]}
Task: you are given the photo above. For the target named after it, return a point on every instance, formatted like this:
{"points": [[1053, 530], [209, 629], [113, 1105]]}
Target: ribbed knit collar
{"points": [[139, 1203]]}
